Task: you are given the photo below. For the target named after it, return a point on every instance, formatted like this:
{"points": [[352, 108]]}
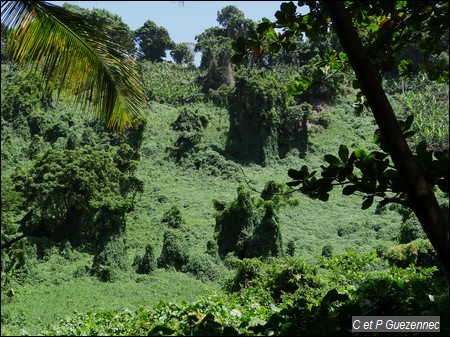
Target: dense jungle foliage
{"points": [[186, 225]]}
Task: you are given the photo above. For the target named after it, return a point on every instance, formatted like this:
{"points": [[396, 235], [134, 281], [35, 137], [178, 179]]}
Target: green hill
{"points": [[48, 280]]}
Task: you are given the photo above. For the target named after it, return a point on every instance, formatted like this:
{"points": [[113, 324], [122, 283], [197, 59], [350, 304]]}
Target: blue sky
{"points": [[183, 22]]}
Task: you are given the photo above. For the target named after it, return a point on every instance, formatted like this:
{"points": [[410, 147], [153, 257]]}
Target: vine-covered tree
{"points": [[241, 230]]}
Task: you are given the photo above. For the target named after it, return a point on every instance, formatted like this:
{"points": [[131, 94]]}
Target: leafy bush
{"points": [[173, 218], [411, 230], [266, 240], [185, 145], [212, 249], [203, 267], [290, 248], [427, 101], [17, 263], [293, 132], [212, 163], [147, 263], [327, 250], [309, 301], [277, 281], [419, 252], [22, 93], [347, 229], [411, 291], [236, 223], [274, 191], [174, 252], [170, 83], [190, 120], [190, 123], [240, 228], [110, 259], [249, 273], [220, 96]]}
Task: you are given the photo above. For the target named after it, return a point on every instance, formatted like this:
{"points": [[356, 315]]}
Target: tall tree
{"points": [[215, 45], [182, 53], [372, 34], [153, 41], [233, 20], [76, 56]]}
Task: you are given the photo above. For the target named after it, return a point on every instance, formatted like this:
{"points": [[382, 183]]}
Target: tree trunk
{"points": [[422, 199]]}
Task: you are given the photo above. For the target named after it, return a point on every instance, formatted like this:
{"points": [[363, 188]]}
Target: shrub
{"points": [[170, 83], [348, 229], [185, 145], [291, 275], [273, 191], [397, 291], [73, 195], [190, 120], [203, 267], [266, 240], [419, 252], [212, 249], [174, 252], [110, 259], [173, 218], [145, 264], [327, 250], [249, 273], [190, 123], [220, 96], [22, 93], [293, 131], [290, 248], [241, 230], [235, 224], [212, 163], [66, 250], [411, 230]]}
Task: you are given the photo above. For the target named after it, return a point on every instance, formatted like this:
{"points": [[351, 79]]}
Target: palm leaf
{"points": [[78, 57]]}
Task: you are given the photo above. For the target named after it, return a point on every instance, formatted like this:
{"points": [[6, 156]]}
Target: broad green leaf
{"points": [[343, 153], [367, 202], [295, 174], [360, 153], [406, 125], [271, 34], [349, 189], [289, 8], [332, 160], [405, 67], [293, 183]]}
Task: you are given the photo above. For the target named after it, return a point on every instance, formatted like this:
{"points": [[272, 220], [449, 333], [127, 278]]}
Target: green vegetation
{"points": [[187, 225]]}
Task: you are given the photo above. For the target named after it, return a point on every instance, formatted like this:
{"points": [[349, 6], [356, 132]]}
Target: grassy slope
{"points": [[311, 225]]}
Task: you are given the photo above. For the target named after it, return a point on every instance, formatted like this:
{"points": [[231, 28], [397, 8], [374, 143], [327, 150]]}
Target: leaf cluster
{"points": [[370, 174]]}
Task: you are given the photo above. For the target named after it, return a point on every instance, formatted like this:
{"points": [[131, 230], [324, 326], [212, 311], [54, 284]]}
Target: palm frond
{"points": [[76, 56]]}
